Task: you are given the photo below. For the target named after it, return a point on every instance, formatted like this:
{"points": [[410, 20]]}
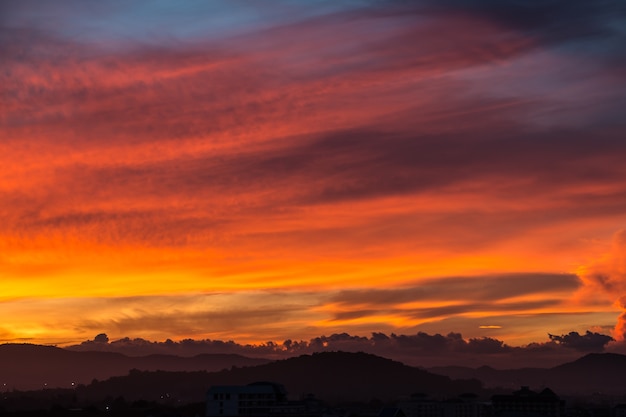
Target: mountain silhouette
{"points": [[593, 372], [509, 379], [27, 366], [331, 376], [360, 376]]}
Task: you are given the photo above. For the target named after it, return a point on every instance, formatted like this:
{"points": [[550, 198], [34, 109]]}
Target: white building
{"points": [[255, 399]]}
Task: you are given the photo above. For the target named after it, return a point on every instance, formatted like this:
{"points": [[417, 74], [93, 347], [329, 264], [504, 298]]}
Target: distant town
{"points": [[324, 384], [270, 399], [263, 399]]}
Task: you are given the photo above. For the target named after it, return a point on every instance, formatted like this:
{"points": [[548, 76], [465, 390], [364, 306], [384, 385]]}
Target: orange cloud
{"points": [[607, 275]]}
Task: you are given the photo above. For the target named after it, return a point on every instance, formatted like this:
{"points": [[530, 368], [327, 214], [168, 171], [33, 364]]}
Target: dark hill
{"points": [[595, 372], [26, 366], [331, 376], [509, 379]]}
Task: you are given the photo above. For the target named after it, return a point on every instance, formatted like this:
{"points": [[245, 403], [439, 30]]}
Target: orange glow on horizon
{"points": [[327, 174]]}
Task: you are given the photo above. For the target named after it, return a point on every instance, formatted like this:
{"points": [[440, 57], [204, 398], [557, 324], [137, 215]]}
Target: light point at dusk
{"points": [[287, 171]]}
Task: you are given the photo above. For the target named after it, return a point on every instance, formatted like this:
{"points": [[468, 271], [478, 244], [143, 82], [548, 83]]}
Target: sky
{"points": [[257, 171]]}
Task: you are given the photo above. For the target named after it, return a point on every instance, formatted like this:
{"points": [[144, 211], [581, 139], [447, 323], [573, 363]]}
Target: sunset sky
{"points": [[263, 170]]}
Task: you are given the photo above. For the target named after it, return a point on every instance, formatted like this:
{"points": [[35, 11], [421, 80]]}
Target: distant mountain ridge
{"points": [[593, 372], [328, 374], [331, 376], [27, 366]]}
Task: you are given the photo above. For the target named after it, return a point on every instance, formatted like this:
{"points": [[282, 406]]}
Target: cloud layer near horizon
{"points": [[438, 166], [420, 349]]}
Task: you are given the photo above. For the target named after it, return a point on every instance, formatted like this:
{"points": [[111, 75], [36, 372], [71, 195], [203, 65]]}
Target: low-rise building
{"points": [[527, 403], [260, 399], [421, 405], [255, 399]]}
